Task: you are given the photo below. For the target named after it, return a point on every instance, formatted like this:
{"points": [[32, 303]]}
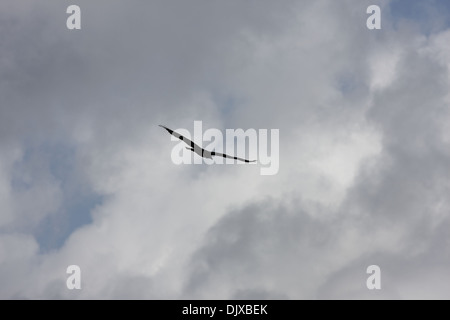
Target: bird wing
{"points": [[182, 138], [213, 153]]}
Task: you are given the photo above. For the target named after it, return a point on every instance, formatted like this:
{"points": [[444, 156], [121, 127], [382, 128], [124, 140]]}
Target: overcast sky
{"points": [[86, 175]]}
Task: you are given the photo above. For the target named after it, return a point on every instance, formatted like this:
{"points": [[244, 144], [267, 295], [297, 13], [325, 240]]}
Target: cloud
{"points": [[363, 118]]}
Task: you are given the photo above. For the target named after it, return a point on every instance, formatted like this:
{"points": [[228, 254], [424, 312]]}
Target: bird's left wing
{"points": [[182, 138]]}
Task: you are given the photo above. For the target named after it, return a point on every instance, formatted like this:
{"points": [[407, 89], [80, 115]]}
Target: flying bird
{"points": [[199, 150]]}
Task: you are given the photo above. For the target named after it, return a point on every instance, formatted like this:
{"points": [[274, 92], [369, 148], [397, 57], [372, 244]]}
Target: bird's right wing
{"points": [[213, 153], [182, 138]]}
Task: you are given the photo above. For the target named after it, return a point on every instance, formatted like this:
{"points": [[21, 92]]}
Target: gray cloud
{"points": [[86, 177]]}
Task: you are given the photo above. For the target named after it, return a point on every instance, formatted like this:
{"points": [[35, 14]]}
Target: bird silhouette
{"points": [[199, 150]]}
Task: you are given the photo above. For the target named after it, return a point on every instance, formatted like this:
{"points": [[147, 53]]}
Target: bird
{"points": [[199, 150]]}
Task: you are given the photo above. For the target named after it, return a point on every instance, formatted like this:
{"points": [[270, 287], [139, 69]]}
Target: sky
{"points": [[86, 176]]}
